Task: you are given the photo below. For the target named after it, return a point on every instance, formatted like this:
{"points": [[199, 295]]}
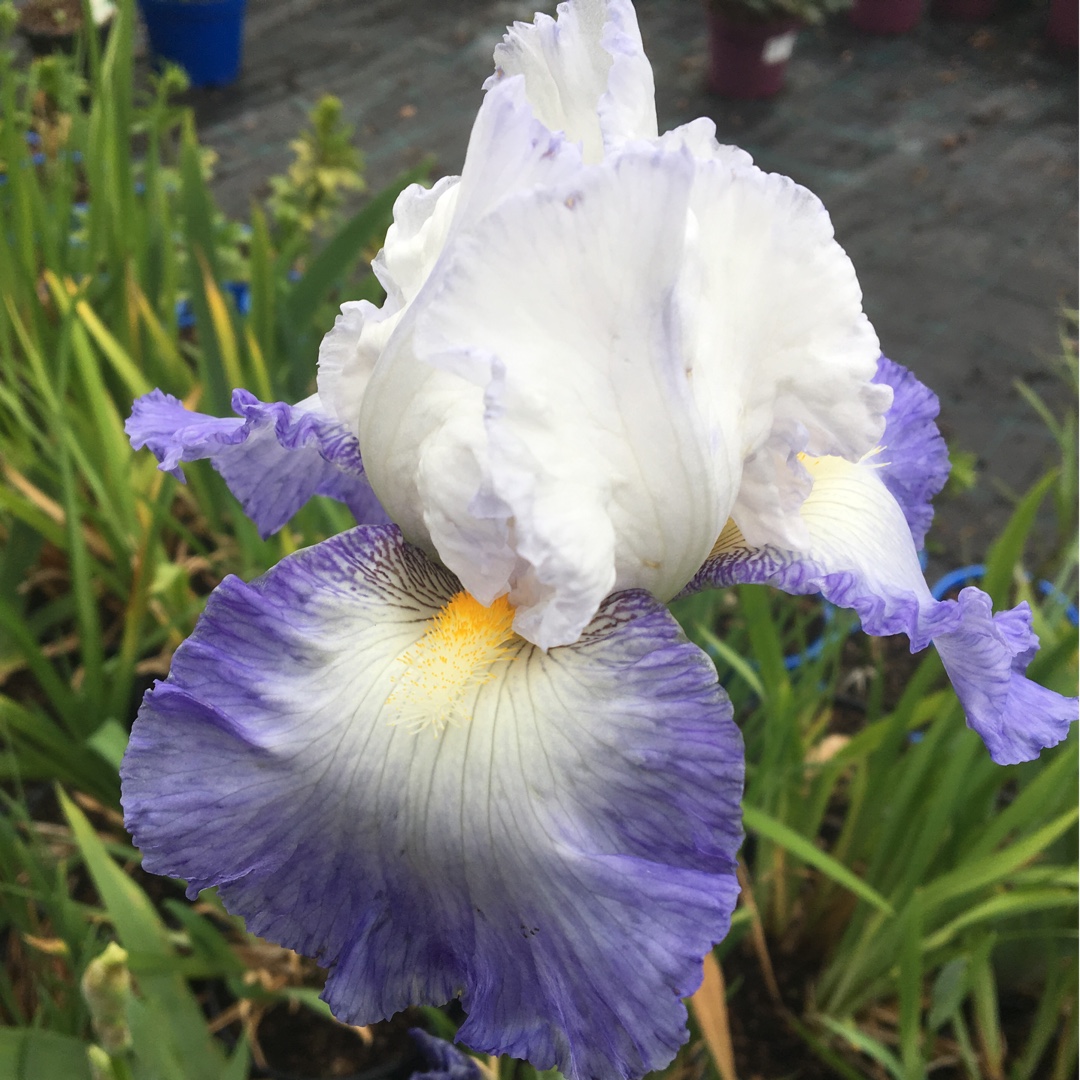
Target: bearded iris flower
{"points": [[463, 750]]}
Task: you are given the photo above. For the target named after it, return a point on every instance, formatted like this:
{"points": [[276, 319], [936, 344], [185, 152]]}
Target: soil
{"points": [[52, 18], [297, 1045], [765, 1045]]}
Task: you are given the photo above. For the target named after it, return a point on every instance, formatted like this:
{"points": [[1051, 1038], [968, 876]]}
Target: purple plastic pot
{"points": [[204, 37], [1062, 29], [965, 10], [886, 16], [749, 59]]}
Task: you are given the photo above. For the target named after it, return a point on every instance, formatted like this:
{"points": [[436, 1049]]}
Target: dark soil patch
{"points": [[52, 18], [766, 1046], [300, 1046]]}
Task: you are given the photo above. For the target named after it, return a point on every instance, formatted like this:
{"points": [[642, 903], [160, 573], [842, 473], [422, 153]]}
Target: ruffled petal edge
{"points": [[862, 556], [273, 456]]}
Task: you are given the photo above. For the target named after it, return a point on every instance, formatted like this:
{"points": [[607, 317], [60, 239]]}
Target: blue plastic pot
{"points": [[204, 37]]}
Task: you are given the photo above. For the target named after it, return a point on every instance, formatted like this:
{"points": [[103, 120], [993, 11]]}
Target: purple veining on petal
{"points": [[561, 862], [273, 457], [915, 461]]}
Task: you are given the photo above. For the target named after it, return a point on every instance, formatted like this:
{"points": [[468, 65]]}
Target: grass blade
{"points": [[178, 1027], [759, 822], [1008, 549], [33, 1054], [709, 1006]]}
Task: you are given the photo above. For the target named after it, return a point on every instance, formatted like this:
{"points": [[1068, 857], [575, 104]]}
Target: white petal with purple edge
{"points": [[273, 458], [349, 351], [561, 856], [510, 149], [861, 555]]}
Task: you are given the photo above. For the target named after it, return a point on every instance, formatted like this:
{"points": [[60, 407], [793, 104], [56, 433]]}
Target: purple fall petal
{"points": [[915, 461], [986, 657], [862, 556], [445, 1062], [274, 457], [561, 859]]}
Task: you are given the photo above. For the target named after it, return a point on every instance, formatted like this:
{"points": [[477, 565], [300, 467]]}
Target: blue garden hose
{"points": [[964, 574], [940, 589]]}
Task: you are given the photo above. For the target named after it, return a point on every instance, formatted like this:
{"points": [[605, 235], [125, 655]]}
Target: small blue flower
{"points": [[241, 294]]}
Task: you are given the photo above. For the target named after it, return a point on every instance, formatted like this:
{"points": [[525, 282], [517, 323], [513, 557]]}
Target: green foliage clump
{"points": [[9, 19], [111, 230], [963, 471], [326, 166], [110, 227]]}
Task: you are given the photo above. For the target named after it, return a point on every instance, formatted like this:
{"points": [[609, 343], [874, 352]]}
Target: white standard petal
{"points": [[509, 150], [586, 73], [422, 218], [556, 375], [783, 341], [555, 80], [699, 137], [349, 351]]}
